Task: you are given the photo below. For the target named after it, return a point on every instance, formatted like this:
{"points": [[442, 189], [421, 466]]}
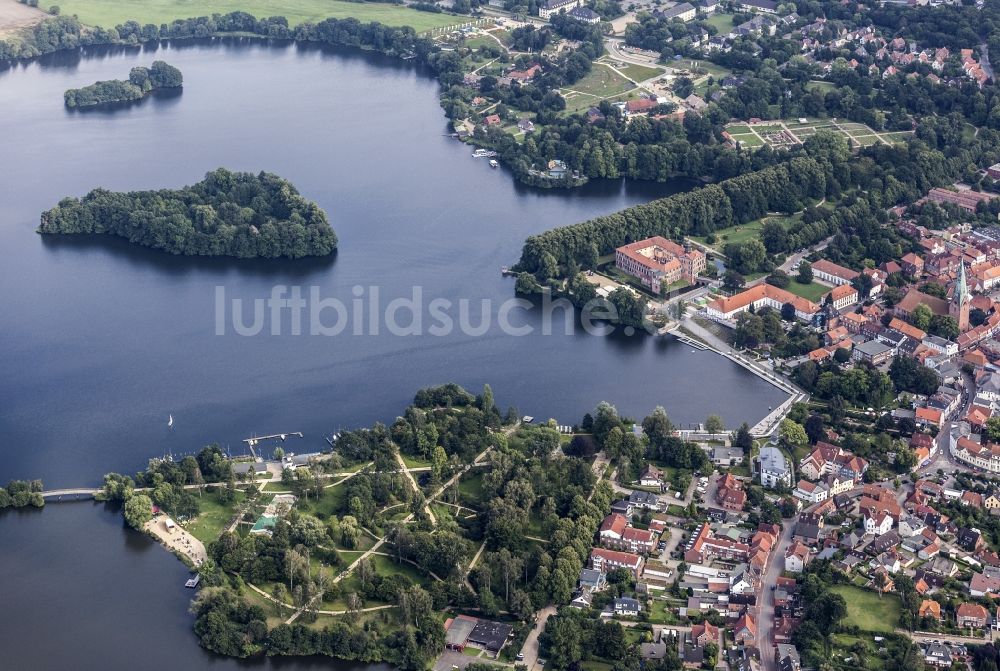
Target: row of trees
{"points": [[734, 201], [226, 214]]}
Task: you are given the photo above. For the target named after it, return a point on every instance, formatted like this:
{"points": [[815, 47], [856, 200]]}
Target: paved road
{"points": [[530, 647], [918, 637], [765, 605]]}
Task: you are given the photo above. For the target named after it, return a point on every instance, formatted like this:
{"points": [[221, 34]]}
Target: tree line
{"points": [[737, 200], [141, 80], [226, 214], [66, 32], [22, 493]]}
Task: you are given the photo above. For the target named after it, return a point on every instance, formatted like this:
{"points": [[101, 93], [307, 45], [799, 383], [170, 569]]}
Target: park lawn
{"points": [[109, 13], [811, 292], [414, 462], [821, 85], [751, 141], [470, 487], [709, 67], [867, 611], [738, 234], [328, 505], [898, 136], [213, 516], [602, 82], [271, 609], [722, 21], [640, 73], [387, 566]]}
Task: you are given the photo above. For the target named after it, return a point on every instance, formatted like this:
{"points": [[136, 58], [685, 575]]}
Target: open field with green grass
{"points": [[639, 73], [709, 67], [330, 504], [811, 292], [108, 13], [723, 22], [213, 518], [867, 610], [603, 82], [738, 234], [821, 85]]}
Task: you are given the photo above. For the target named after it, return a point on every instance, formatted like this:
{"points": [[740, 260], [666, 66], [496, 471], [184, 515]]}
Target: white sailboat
{"points": [[170, 420]]}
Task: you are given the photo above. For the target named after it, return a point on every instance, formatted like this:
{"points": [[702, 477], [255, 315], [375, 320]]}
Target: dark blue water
{"points": [[101, 341]]}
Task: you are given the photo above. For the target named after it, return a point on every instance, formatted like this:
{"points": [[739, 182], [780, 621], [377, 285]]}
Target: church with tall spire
{"points": [[959, 305]]}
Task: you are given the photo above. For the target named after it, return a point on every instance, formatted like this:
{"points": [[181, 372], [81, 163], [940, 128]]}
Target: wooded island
{"points": [[226, 214], [141, 80]]}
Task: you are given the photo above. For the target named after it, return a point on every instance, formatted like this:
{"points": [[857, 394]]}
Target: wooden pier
{"points": [[283, 436]]}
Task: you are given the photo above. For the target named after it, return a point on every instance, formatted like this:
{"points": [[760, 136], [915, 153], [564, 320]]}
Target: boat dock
{"points": [[193, 582], [690, 342], [283, 436]]}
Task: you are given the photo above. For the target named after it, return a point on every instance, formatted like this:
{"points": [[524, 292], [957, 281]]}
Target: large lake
{"points": [[100, 342]]}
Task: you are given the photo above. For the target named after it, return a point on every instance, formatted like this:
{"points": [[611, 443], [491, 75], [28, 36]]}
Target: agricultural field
{"points": [[789, 133], [108, 13]]}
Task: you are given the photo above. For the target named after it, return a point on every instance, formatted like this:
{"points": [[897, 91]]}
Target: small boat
{"points": [[170, 420], [527, 419], [483, 153], [494, 164]]}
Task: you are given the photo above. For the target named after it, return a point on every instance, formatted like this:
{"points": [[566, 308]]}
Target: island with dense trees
{"points": [[140, 82], [227, 214]]}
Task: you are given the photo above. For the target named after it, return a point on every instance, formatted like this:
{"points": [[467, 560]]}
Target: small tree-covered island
{"points": [[141, 81], [226, 214]]}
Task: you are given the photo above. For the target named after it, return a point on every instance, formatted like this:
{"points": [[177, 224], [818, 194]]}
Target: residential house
{"points": [[929, 608], [608, 560], [774, 467], [972, 616], [796, 557]]}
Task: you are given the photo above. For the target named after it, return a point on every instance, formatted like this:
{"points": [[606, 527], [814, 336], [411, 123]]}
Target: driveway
{"points": [[530, 648]]}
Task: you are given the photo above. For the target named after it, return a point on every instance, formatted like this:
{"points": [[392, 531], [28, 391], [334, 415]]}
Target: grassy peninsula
{"points": [[140, 82], [227, 214]]}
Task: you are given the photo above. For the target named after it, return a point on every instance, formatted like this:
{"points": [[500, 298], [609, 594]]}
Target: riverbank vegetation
{"points": [[141, 81], [22, 493], [226, 214]]}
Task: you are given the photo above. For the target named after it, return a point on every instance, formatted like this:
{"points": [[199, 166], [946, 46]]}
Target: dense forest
{"points": [[226, 214], [140, 81]]}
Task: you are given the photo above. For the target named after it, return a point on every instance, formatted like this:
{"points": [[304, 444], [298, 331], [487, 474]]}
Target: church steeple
{"points": [[959, 306]]}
